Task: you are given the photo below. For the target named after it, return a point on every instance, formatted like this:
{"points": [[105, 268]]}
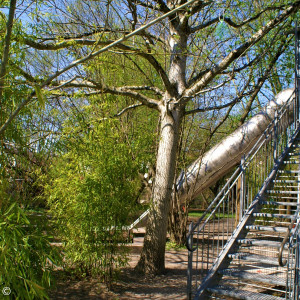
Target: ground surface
{"points": [[171, 285]]}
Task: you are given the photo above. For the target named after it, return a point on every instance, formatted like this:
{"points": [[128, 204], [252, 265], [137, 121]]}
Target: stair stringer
{"points": [[222, 261]]}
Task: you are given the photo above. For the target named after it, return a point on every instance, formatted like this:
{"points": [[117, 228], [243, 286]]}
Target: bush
{"points": [[92, 193], [26, 255]]}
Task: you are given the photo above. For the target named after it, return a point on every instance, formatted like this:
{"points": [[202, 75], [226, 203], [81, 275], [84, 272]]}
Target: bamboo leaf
{"points": [[40, 96]]}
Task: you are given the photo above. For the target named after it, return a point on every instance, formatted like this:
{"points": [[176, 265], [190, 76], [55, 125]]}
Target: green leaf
{"points": [[40, 96]]}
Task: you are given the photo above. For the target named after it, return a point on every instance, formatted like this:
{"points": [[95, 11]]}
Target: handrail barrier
{"points": [[209, 235], [287, 237], [293, 263]]}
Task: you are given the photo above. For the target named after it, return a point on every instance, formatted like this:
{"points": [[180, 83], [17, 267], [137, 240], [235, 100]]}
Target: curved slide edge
{"points": [[220, 159], [224, 156]]}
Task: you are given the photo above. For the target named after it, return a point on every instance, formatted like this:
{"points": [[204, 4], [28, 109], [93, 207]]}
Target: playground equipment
{"points": [[246, 245]]}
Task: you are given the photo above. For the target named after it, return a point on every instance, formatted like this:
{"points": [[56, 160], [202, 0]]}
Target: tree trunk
{"points": [[152, 260], [178, 218]]}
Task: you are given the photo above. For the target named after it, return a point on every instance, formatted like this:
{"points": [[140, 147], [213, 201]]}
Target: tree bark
{"points": [[178, 218], [5, 54], [152, 260]]}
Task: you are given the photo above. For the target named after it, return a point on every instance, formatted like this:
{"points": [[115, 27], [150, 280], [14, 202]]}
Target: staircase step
{"points": [[286, 181], [241, 294], [267, 215], [277, 186], [289, 171], [261, 243], [290, 176], [253, 276], [278, 196], [266, 228], [255, 258], [283, 192], [279, 203]]}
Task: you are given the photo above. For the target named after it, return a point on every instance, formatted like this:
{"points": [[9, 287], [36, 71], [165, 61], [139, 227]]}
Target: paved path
{"points": [[171, 285]]}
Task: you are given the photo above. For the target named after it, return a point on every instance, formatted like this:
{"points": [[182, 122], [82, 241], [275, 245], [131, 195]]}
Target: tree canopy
{"points": [[200, 60]]}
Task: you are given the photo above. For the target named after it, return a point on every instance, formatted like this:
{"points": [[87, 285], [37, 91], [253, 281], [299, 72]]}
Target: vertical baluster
{"points": [[190, 263], [233, 203], [242, 190], [223, 224], [227, 223], [275, 138], [198, 274], [219, 231], [297, 267], [203, 253], [208, 245], [214, 235]]}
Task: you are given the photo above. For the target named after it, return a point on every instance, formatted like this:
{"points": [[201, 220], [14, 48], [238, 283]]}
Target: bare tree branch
{"points": [[128, 108], [233, 24], [218, 107], [262, 80], [98, 86], [7, 41], [235, 54], [102, 89], [196, 7], [64, 44]]}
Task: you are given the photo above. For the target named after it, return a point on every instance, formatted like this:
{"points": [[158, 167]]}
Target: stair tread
{"points": [[241, 294], [267, 228], [283, 192], [262, 243], [268, 215], [283, 197], [286, 180], [277, 186], [280, 203], [255, 258], [289, 171], [268, 279]]}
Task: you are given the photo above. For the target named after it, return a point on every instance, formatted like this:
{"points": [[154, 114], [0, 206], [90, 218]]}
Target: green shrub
{"points": [[26, 255], [92, 192]]}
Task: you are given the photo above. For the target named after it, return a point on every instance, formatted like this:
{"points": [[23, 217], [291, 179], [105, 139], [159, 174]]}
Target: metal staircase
{"points": [[259, 260], [247, 243]]}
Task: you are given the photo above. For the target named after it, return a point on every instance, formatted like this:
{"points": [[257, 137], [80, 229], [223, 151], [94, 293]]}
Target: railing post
{"points": [[297, 275], [275, 137], [243, 189], [297, 71], [190, 263]]}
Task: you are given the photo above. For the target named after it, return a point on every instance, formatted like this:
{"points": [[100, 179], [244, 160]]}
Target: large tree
{"points": [[193, 49]]}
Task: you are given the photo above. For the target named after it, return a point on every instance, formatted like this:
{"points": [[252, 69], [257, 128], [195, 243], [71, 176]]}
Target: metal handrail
{"points": [[225, 217], [210, 206], [138, 220], [238, 172], [287, 236]]}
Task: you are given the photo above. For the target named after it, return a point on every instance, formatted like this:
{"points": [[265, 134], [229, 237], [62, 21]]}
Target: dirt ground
{"points": [[171, 285]]}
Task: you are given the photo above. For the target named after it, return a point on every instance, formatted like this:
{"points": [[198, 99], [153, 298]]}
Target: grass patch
{"points": [[219, 215], [174, 246]]}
